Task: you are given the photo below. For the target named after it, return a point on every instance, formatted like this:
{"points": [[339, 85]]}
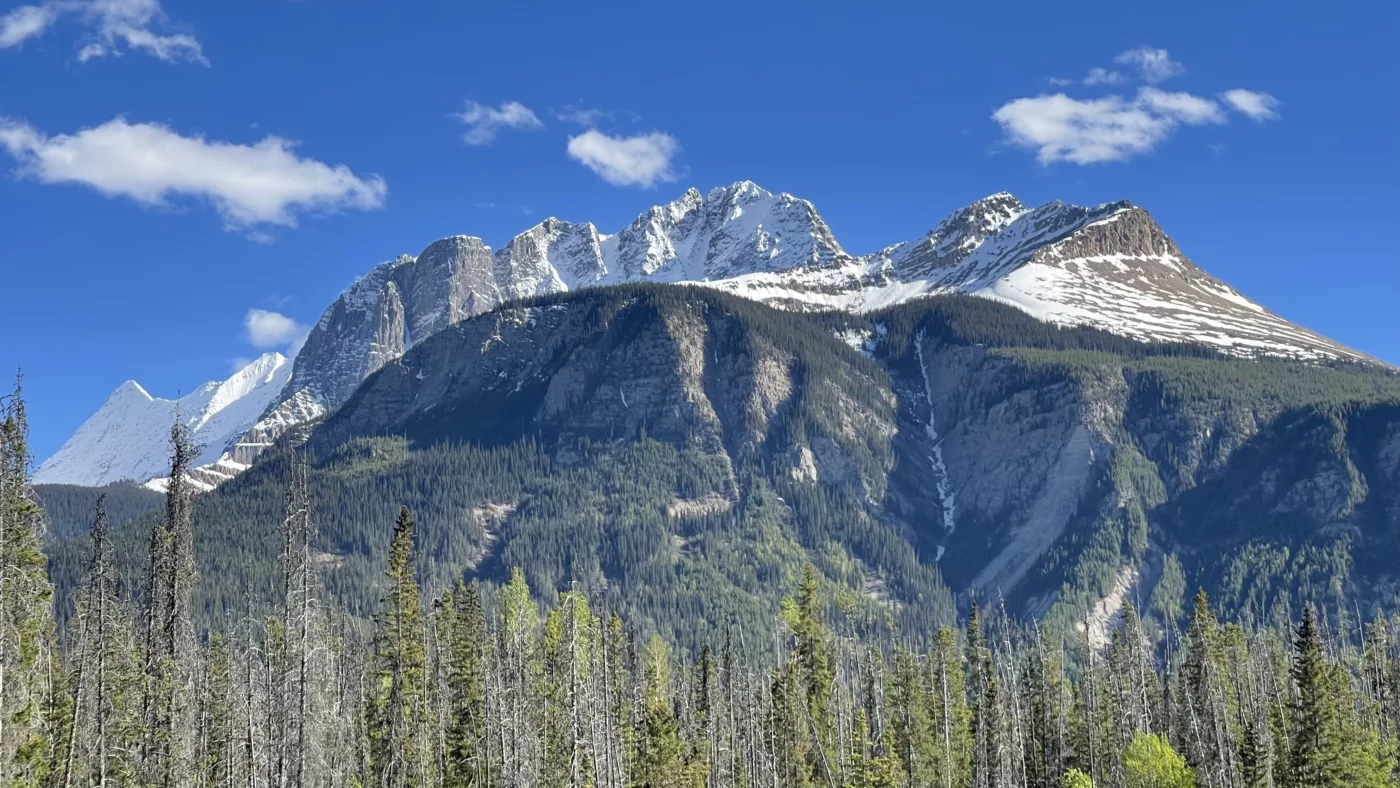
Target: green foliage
{"points": [[400, 683], [34, 705], [69, 507], [1150, 762]]}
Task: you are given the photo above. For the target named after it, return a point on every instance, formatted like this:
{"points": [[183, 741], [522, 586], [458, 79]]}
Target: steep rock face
{"points": [[676, 366], [384, 313]]}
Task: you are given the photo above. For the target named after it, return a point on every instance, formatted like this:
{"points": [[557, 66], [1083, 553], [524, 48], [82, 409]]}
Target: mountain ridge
{"points": [[1108, 266], [127, 439]]}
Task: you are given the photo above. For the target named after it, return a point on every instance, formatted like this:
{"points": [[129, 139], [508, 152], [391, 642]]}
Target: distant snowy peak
{"points": [[128, 438]]}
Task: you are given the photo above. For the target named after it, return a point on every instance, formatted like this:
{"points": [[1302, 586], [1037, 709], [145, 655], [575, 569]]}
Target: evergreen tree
{"points": [[949, 713], [466, 727], [33, 702], [660, 761], [1331, 748], [1207, 702], [914, 733], [811, 668], [400, 714], [104, 726], [168, 710]]}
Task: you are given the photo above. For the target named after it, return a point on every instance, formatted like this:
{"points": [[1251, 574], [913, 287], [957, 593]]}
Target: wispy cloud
{"points": [[265, 183], [581, 116], [643, 160], [1153, 65], [1102, 76], [485, 123], [1061, 128], [268, 330], [113, 27], [24, 23], [1256, 106]]}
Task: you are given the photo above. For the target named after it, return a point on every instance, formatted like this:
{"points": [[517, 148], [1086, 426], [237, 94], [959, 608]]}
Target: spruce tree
{"points": [[34, 708], [398, 742], [466, 725], [167, 749], [660, 761]]}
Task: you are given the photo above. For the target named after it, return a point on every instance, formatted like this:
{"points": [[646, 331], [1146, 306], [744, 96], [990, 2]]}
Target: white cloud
{"points": [[1059, 82], [1100, 76], [580, 116], [129, 22], [1256, 106], [114, 26], [1154, 65], [643, 160], [1189, 109], [484, 123], [262, 183], [1092, 131], [25, 22], [266, 330]]}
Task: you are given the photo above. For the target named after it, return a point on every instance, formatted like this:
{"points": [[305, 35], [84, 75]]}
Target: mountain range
{"points": [[1109, 267]]}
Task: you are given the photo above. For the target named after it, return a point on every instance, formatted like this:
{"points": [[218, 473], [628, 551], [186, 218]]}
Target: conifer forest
{"points": [[455, 687]]}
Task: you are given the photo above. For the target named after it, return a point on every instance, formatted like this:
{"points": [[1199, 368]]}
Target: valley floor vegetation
{"points": [[453, 687]]}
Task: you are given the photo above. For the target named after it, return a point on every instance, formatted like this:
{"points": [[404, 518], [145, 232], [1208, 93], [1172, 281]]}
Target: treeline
{"points": [[451, 689]]}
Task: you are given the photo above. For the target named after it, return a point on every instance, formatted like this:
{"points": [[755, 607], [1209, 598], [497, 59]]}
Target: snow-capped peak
{"points": [[129, 436], [1109, 266]]}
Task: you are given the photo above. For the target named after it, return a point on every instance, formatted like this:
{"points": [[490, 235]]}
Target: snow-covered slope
{"points": [[1109, 266], [128, 438]]}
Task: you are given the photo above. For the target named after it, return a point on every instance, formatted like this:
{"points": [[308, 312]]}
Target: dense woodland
{"points": [[447, 687]]}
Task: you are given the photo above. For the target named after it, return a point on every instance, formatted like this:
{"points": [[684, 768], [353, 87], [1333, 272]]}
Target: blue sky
{"points": [[166, 168]]}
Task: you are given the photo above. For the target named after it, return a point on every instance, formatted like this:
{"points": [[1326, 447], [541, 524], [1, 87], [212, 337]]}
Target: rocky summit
{"points": [[1110, 267]]}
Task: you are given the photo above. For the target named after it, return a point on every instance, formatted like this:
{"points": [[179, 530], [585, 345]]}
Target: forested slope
{"points": [[679, 454]]}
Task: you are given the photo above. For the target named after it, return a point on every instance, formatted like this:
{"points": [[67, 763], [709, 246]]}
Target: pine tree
{"points": [[466, 732], [518, 667], [398, 753], [1209, 724], [219, 762], [660, 761], [811, 667], [949, 713], [101, 736], [914, 732], [167, 749], [34, 707], [1316, 717], [984, 692]]}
